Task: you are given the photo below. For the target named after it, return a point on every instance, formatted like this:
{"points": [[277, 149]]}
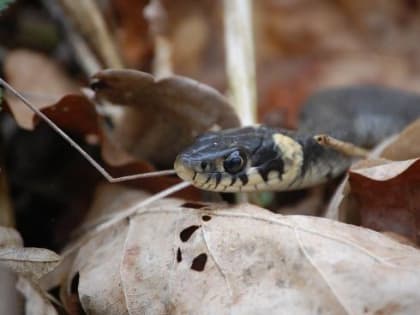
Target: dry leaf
{"points": [[10, 300], [39, 77], [387, 197], [9, 238], [132, 31], [73, 113], [36, 302], [164, 116], [405, 145], [31, 262], [384, 195], [244, 260]]}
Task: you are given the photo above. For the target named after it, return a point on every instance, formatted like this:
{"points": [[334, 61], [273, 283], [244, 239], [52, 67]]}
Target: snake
{"points": [[263, 158]]}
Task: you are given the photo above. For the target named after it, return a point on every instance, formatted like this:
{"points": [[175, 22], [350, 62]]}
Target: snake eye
{"points": [[234, 162]]}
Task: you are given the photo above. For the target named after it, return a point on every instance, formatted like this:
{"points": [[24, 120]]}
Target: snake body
{"points": [[263, 158]]}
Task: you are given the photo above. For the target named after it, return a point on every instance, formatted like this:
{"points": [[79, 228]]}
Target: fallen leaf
{"points": [[381, 194], [46, 83], [36, 302], [10, 300], [157, 108], [32, 262], [132, 31], [244, 260], [405, 145], [387, 197], [9, 238], [73, 113]]}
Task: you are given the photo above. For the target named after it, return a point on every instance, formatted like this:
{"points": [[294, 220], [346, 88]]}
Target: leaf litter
{"points": [[225, 257], [368, 195], [244, 259]]}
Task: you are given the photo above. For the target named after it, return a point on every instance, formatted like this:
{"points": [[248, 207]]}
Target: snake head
{"points": [[241, 159]]}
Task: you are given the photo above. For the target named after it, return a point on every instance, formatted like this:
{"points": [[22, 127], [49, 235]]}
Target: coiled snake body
{"points": [[262, 158]]}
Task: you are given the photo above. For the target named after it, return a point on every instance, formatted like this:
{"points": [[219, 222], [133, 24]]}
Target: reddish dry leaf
{"points": [[73, 113], [161, 116], [388, 197], [41, 78], [132, 31], [385, 199]]}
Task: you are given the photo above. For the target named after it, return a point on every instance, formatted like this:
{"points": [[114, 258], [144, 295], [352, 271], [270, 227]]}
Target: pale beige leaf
{"points": [[32, 262], [9, 238], [10, 300], [381, 173], [406, 145], [44, 84], [36, 301], [246, 260], [100, 289]]}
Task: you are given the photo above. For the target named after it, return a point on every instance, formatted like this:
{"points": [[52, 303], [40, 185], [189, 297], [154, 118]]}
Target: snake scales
{"points": [[262, 158]]}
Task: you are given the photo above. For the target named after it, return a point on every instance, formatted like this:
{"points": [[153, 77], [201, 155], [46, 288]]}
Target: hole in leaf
{"points": [[187, 232], [194, 205], [199, 262], [206, 218], [178, 255]]}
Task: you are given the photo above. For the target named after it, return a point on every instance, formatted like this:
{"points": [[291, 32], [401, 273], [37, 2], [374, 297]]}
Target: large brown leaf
{"points": [[163, 116], [381, 194], [387, 197]]}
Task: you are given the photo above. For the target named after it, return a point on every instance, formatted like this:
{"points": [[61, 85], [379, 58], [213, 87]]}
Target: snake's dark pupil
{"points": [[234, 162], [203, 165]]}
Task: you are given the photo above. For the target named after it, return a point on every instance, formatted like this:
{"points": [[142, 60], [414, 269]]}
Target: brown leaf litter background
{"points": [[185, 255]]}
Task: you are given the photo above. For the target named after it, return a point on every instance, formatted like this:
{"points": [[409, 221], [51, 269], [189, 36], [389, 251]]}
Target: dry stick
{"points": [[346, 148], [156, 15], [88, 18], [95, 164], [240, 59]]}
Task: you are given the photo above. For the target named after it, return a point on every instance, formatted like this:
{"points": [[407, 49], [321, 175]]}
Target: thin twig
{"points": [[95, 164], [88, 18], [123, 215], [240, 59], [157, 18], [83, 53]]}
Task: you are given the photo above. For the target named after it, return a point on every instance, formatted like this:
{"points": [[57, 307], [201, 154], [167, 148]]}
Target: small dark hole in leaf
{"points": [[74, 283], [206, 218], [194, 205], [97, 84], [199, 262], [178, 255], [187, 232]]}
